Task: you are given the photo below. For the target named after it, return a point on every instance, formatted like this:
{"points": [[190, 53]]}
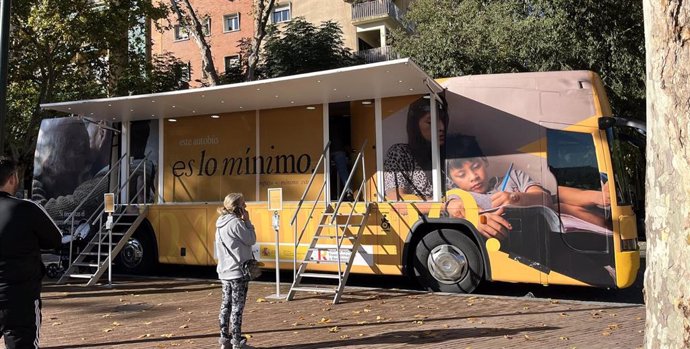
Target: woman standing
{"points": [[235, 236]]}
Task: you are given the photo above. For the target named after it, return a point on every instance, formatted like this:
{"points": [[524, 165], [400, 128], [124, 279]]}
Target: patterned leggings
{"points": [[231, 308]]}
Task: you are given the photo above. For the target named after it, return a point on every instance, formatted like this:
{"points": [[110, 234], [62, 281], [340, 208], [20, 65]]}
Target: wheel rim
{"points": [[447, 264], [132, 253]]}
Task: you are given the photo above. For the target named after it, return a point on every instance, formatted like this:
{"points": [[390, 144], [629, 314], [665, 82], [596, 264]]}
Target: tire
{"points": [[138, 256], [448, 261]]}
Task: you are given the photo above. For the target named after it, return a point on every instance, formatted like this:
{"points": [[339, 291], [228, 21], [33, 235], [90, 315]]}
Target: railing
{"points": [[361, 191], [97, 214], [293, 222], [375, 9], [379, 54]]}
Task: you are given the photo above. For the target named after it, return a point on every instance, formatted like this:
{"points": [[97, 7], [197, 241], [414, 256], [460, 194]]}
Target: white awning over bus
{"points": [[379, 80]]}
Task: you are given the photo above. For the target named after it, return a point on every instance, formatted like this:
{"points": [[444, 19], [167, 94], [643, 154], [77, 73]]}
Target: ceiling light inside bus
{"points": [[172, 120], [311, 108], [215, 116], [366, 102]]}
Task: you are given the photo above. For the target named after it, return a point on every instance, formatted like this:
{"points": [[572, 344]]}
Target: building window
{"points": [[181, 33], [231, 61], [281, 14], [206, 26], [186, 72], [231, 22]]}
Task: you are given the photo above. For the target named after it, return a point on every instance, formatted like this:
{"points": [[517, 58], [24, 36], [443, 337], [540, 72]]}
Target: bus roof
{"points": [[378, 80]]}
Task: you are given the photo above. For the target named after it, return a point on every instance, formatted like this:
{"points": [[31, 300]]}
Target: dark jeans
{"points": [[342, 166], [20, 323]]}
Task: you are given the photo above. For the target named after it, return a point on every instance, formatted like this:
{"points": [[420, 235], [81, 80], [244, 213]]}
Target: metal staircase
{"points": [[96, 256], [342, 222]]}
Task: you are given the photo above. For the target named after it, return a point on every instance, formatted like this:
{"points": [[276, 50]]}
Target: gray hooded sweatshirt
{"points": [[238, 236]]}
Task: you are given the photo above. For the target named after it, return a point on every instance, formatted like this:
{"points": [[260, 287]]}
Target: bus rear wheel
{"points": [[448, 261], [137, 255]]}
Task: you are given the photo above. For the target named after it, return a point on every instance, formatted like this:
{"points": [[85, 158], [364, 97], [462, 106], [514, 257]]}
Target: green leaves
{"points": [[301, 47], [459, 37], [70, 49]]}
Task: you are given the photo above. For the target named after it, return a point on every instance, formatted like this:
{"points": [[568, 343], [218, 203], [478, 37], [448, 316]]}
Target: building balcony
{"points": [[379, 54], [376, 10]]}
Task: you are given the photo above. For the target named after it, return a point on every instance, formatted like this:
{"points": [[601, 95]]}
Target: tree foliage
{"points": [[458, 37], [301, 47], [63, 50]]}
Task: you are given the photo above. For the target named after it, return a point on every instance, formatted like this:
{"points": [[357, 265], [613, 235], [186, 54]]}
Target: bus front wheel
{"points": [[448, 261]]}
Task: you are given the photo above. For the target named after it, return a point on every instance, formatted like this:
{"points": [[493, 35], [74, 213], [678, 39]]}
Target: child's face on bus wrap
{"points": [[471, 176]]}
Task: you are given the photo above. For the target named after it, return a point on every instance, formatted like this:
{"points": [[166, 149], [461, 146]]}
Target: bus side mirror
{"points": [[606, 122]]}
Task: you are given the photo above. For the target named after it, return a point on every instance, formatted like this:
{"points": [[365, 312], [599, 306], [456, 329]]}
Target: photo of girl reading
{"points": [[516, 188]]}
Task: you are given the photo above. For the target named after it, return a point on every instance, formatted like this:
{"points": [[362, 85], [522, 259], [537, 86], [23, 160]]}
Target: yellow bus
{"points": [[505, 177]]}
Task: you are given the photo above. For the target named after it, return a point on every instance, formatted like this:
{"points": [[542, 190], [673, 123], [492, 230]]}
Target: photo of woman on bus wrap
{"points": [[235, 236], [407, 166]]}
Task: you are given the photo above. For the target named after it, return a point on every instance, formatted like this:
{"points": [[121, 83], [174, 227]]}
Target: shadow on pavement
{"points": [[421, 337]]}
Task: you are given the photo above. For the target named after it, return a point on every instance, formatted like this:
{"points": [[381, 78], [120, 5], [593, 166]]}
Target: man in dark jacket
{"points": [[25, 229]]}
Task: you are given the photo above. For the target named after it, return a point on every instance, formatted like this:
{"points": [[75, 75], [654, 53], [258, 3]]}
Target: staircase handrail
{"points": [[88, 196], [311, 180]]}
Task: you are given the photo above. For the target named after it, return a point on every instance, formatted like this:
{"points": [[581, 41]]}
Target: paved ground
{"points": [[182, 313]]}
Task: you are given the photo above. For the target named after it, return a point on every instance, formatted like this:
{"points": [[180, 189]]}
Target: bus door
{"points": [[580, 249]]}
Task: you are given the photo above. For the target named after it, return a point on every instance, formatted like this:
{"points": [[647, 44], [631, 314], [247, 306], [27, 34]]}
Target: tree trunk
{"points": [[195, 29], [667, 279], [262, 13]]}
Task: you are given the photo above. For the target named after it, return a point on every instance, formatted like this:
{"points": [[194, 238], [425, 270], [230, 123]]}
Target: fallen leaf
{"points": [[367, 310], [115, 323], [379, 317], [507, 336], [606, 333], [418, 322], [145, 335], [613, 326], [167, 335], [184, 326], [324, 320], [344, 336], [108, 330], [333, 329], [564, 338], [260, 300], [362, 322], [148, 323], [563, 314], [527, 337], [356, 312]]}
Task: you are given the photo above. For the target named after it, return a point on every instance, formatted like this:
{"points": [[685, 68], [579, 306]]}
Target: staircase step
{"points": [[81, 276], [320, 276], [339, 225], [349, 237], [314, 289], [81, 264], [341, 214], [321, 261], [95, 253], [346, 248]]}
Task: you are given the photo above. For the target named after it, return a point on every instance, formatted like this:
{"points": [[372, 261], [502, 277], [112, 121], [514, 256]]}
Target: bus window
{"points": [[582, 197], [628, 158], [407, 155]]}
